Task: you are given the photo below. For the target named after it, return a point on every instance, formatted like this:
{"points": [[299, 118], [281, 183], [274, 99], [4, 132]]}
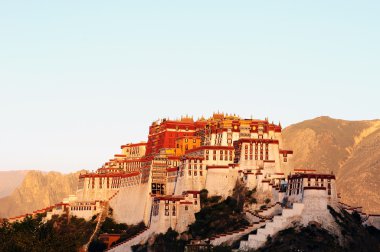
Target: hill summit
{"points": [[349, 149]]}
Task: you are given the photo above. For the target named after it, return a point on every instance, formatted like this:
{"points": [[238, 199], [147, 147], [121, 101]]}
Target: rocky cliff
{"points": [[38, 190], [349, 149]]}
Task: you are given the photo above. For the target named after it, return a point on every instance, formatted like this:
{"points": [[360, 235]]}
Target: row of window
{"points": [[250, 157], [187, 140], [156, 208], [82, 208], [221, 157], [115, 183], [195, 173], [195, 166], [250, 146], [221, 152], [295, 187]]}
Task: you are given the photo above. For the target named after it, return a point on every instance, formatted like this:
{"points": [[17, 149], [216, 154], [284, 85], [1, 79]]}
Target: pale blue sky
{"points": [[80, 78]]}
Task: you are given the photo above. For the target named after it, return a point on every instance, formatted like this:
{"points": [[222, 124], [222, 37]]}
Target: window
{"points": [[173, 211], [194, 141], [186, 208]]}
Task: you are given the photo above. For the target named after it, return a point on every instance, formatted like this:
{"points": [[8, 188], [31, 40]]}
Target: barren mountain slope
{"points": [[350, 149], [10, 180], [359, 177], [38, 190]]}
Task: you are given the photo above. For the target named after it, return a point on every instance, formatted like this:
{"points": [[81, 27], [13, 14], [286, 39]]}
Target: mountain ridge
{"points": [[349, 149], [10, 180], [38, 190]]}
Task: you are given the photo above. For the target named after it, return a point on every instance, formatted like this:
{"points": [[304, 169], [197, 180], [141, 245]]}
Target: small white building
{"points": [[304, 185]]}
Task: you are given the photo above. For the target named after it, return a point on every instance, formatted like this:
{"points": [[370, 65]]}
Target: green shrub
{"points": [[218, 218], [61, 233]]}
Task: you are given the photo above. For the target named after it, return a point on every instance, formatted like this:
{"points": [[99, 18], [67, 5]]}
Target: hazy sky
{"points": [[80, 78]]}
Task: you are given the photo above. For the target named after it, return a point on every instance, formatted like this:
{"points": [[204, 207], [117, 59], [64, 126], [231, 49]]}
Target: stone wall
{"points": [[221, 182], [132, 204]]}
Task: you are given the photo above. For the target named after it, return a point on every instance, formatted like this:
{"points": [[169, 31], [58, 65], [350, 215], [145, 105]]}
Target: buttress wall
{"points": [[132, 204]]}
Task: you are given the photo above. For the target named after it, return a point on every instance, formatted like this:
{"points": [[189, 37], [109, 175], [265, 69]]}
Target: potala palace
{"points": [[159, 181]]}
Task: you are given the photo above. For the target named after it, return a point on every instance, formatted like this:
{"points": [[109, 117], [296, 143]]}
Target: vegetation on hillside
{"points": [[58, 234], [218, 218], [168, 242], [356, 237], [310, 238], [109, 226], [313, 238]]}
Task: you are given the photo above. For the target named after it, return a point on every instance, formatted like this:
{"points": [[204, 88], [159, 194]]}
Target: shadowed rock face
{"points": [[350, 149], [38, 190]]}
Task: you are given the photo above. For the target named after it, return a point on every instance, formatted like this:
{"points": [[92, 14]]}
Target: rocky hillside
{"points": [[38, 190], [350, 149], [10, 180]]}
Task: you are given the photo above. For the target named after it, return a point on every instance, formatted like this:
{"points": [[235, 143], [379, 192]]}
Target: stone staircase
{"points": [[114, 195], [101, 218], [235, 235], [257, 219], [278, 223], [266, 213], [138, 238]]}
